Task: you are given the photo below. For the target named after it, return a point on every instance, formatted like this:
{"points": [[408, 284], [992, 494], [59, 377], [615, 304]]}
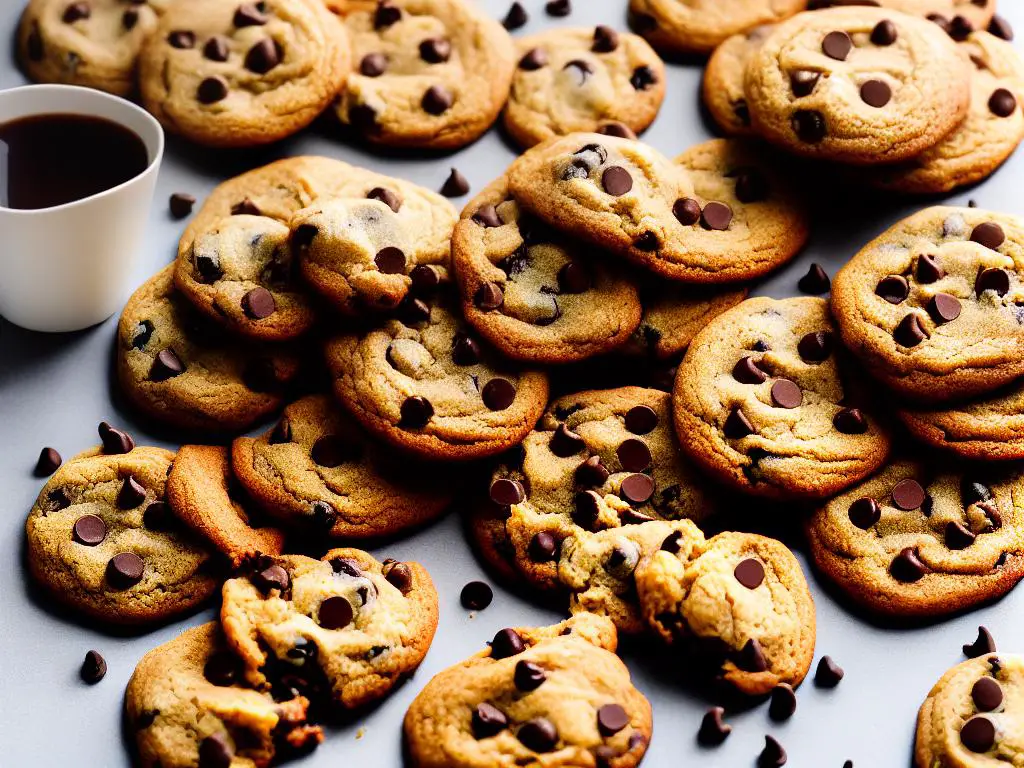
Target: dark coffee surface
{"points": [[48, 160]]}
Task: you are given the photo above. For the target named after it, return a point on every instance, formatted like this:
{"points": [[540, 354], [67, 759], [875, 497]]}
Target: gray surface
{"points": [[54, 390]]}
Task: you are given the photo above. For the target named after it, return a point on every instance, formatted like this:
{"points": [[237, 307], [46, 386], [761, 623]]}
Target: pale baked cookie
{"points": [[342, 630], [530, 292], [571, 80], [857, 85], [762, 404], [94, 43], [976, 13], [554, 696], [102, 540], [423, 383], [931, 306], [187, 705], [924, 540], [739, 600], [697, 26], [991, 132], [236, 74], [722, 88], [319, 470], [720, 213], [185, 372], [971, 718], [428, 73], [204, 494]]}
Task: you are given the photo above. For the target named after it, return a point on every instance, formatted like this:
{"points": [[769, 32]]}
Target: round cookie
{"points": [[971, 717], [761, 403], [738, 598], [977, 13], [428, 73], [94, 43], [722, 88], [698, 26], [557, 303], [931, 305], [857, 85], [186, 373], [186, 705], [720, 213], [991, 132], [422, 383], [102, 540], [919, 540], [318, 469], [204, 494], [571, 80], [556, 696], [341, 631], [228, 73]]}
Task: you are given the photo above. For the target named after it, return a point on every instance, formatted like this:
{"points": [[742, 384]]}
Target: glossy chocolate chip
{"points": [[386, 196], [746, 371], [850, 421], [633, 455], [737, 425], [928, 270], [616, 181], [987, 695], [894, 289], [465, 350], [390, 260], [716, 216], [958, 537], [89, 530], [643, 77], [786, 394], [751, 657], [641, 419], [606, 39], [476, 596], [574, 278], [884, 33], [263, 56], [212, 89], [828, 674], [783, 702], [984, 645], [166, 366], [864, 513], [216, 48], [76, 12], [259, 304], [487, 216], [910, 332], [978, 734], [944, 308], [498, 394], [591, 473], [539, 734], [837, 45], [181, 204], [558, 7], [773, 755], [505, 492], [713, 730], [564, 442], [809, 126], [816, 281], [115, 441], [749, 573], [125, 570], [637, 488], [398, 575], [489, 296], [416, 411], [611, 718], [687, 211], [516, 17], [94, 668], [875, 93], [988, 234], [542, 548], [992, 279], [437, 100], [436, 50], [802, 82], [250, 15], [270, 578], [387, 13], [815, 347], [1002, 103], [505, 643], [908, 495], [47, 463], [245, 208], [424, 280], [488, 721], [335, 613], [907, 566], [1001, 28], [528, 676], [456, 185]]}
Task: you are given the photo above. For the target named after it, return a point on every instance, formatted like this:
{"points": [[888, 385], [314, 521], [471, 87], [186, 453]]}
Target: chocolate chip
{"points": [[641, 419], [637, 488], [828, 674], [672, 543], [884, 33], [76, 12], [864, 513], [564, 442], [987, 695], [591, 473], [476, 596], [271, 577], [960, 28], [713, 731], [324, 516], [908, 495], [465, 350], [259, 303], [528, 676], [373, 65], [386, 196], [992, 279], [746, 371], [215, 752], [816, 281], [686, 210], [786, 394], [216, 48], [246, 208], [1001, 28], [616, 181], [455, 185], [716, 216], [114, 440], [416, 411], [125, 570], [387, 13], [542, 548], [783, 703], [181, 204], [539, 735], [93, 668], [893, 289], [487, 216], [984, 645], [928, 269], [263, 56], [751, 186], [850, 421], [335, 613], [615, 128], [737, 425], [424, 279], [944, 308], [250, 15], [516, 17], [749, 573], [141, 334], [47, 463], [558, 7], [390, 260], [399, 575], [89, 530], [773, 755], [488, 721], [182, 39], [489, 296], [606, 39], [751, 657], [506, 642], [574, 278], [611, 718], [505, 492], [978, 734], [958, 537], [910, 332], [809, 126], [131, 494], [634, 455], [802, 82], [212, 89], [498, 394], [437, 100], [815, 347], [435, 50], [989, 234], [643, 77], [166, 366], [875, 93], [907, 566], [837, 45]]}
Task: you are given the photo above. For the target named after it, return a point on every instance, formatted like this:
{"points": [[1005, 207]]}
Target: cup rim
{"points": [[154, 161]]}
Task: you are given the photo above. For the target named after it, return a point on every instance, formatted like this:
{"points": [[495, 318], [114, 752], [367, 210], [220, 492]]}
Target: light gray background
{"points": [[55, 389]]}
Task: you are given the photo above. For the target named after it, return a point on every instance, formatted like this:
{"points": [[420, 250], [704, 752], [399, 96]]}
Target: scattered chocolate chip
{"points": [[944, 308], [373, 65], [786, 394], [250, 15], [992, 279], [215, 752], [713, 730], [907, 566], [985, 644], [166, 366], [987, 695], [516, 17], [989, 234], [884, 33], [363, 117], [539, 734], [616, 181], [498, 394], [94, 667], [488, 721], [606, 39], [875, 93], [637, 488], [749, 573], [783, 702], [803, 82], [716, 216], [455, 185], [837, 45], [181, 204], [773, 755], [746, 371], [558, 7], [591, 473], [633, 455], [1002, 103], [216, 48], [960, 27], [212, 89], [564, 442], [263, 56], [89, 530], [816, 281], [324, 516], [864, 513], [125, 570], [424, 279], [809, 126], [416, 411], [910, 332], [893, 289], [751, 657], [828, 674], [158, 516], [114, 440], [815, 347], [506, 642], [542, 548], [76, 12], [908, 495], [437, 100], [47, 463], [476, 596], [940, 20], [672, 542], [465, 350], [978, 734], [737, 425], [686, 210], [399, 575], [850, 421], [1001, 28]]}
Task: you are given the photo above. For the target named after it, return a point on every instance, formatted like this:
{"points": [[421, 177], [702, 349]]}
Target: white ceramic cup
{"points": [[68, 267]]}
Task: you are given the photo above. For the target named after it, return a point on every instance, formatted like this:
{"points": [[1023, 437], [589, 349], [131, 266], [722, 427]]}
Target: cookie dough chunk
{"points": [[932, 305], [341, 630], [762, 404], [719, 214], [722, 88], [102, 540], [237, 74], [94, 43], [185, 372], [428, 73], [987, 137], [530, 292], [187, 705], [971, 717], [697, 26], [318, 469], [858, 85], [740, 600], [204, 494], [556, 696], [919, 540], [571, 80], [422, 382]]}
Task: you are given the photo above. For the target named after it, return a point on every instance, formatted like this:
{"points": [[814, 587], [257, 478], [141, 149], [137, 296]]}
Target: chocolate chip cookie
{"points": [[229, 73], [932, 306], [203, 493], [971, 717], [550, 696], [317, 469], [697, 26], [94, 43], [187, 705], [921, 539], [763, 403], [571, 80], [530, 292], [102, 540], [857, 85], [424, 383], [722, 87], [182, 370], [428, 73], [720, 213], [739, 600], [342, 630]]}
